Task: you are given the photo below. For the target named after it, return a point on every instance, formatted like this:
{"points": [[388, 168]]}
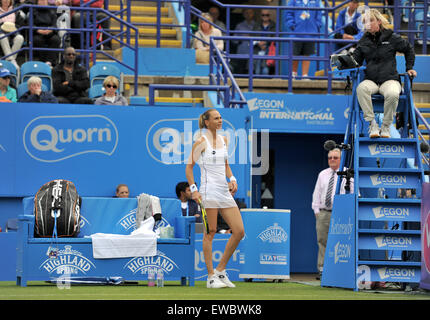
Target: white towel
{"points": [[141, 242]]}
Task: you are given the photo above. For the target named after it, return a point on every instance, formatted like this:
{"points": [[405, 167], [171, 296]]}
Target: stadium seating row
{"points": [[97, 74]]}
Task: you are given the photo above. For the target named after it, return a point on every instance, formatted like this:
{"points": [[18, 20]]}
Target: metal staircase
{"points": [[375, 233]]}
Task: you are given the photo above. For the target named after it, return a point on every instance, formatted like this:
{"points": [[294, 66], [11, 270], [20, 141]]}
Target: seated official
{"points": [[35, 93], [377, 49], [122, 191], [189, 207]]}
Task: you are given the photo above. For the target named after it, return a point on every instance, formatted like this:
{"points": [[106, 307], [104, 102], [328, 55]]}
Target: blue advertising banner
{"points": [[265, 250], [104, 215], [298, 112], [339, 262], [425, 232], [218, 245], [99, 147]]}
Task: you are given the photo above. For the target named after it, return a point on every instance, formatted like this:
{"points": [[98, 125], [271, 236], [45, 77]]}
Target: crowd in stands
{"points": [[71, 81], [305, 23], [71, 84]]}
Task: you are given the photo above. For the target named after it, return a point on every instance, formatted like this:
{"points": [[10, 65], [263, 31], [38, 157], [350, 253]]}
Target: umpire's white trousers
{"points": [[390, 89]]}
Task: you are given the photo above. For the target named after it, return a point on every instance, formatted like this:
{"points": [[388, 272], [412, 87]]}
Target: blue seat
{"points": [[100, 71], [96, 91], [23, 88], [37, 68], [13, 71], [12, 225]]}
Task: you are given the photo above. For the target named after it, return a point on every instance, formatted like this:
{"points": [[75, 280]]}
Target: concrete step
{"points": [[166, 43], [152, 32], [144, 19], [141, 10]]}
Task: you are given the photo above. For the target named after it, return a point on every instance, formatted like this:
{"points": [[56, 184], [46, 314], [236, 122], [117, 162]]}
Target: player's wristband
{"points": [[232, 178], [193, 188]]}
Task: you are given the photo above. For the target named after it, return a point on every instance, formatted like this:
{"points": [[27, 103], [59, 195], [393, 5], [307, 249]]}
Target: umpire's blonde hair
{"points": [[375, 14]]}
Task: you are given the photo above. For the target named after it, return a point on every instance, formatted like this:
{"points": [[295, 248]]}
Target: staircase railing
{"points": [[88, 48], [220, 74], [359, 248], [327, 33]]}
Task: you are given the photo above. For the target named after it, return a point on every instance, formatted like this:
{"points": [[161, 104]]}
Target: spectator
{"points": [[44, 38], [304, 22], [76, 22], [201, 43], [8, 26], [189, 207], [214, 12], [71, 80], [122, 191], [35, 93], [262, 47], [240, 66], [111, 97], [266, 24], [260, 65], [347, 20], [6, 90]]}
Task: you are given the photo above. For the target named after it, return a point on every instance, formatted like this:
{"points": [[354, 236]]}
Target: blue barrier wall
{"points": [[145, 147], [100, 147]]}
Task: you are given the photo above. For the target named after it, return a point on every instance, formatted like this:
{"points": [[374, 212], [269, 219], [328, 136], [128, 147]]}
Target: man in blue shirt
{"points": [[189, 207], [347, 23], [306, 23], [241, 66]]}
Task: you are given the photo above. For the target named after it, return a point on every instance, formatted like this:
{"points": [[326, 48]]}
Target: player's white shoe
{"points": [[215, 283], [222, 275]]}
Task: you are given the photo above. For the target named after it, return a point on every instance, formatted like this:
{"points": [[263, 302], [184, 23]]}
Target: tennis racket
{"points": [[204, 217]]}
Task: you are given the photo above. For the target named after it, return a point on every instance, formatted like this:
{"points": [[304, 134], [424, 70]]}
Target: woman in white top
{"points": [[210, 152], [206, 30]]}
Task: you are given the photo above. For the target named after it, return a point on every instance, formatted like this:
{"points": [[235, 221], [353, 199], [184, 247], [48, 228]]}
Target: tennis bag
{"points": [[57, 210]]}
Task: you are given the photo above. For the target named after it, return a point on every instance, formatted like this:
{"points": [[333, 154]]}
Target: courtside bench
{"points": [[105, 215]]}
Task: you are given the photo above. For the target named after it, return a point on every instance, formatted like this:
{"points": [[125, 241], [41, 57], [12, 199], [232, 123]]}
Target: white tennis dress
{"points": [[213, 183]]}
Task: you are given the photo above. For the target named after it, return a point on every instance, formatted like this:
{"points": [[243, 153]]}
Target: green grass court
{"points": [[173, 291]]}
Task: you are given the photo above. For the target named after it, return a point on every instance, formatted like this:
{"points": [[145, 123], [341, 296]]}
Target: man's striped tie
{"points": [[329, 191]]}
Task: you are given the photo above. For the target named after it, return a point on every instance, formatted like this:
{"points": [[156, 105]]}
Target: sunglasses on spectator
{"points": [[265, 15], [70, 54], [111, 86], [335, 158]]}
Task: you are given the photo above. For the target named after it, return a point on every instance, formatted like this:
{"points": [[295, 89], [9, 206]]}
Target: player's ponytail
{"points": [[203, 117]]}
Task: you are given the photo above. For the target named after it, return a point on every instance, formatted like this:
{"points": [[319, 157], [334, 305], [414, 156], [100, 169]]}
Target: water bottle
{"points": [[160, 278], [151, 277]]}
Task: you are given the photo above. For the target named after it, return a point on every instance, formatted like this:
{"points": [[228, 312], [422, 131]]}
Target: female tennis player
{"points": [[210, 152]]}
